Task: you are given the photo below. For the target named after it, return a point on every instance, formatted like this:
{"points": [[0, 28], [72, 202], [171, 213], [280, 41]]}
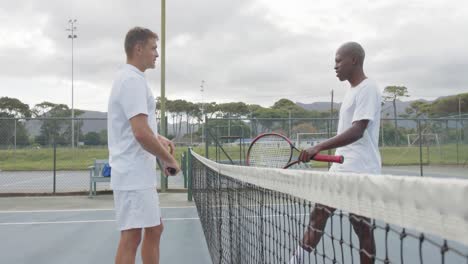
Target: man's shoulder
{"points": [[369, 86], [128, 78], [125, 74], [369, 83]]}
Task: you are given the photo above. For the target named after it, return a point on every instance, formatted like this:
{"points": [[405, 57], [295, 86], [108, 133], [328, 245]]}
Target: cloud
{"points": [[254, 51]]}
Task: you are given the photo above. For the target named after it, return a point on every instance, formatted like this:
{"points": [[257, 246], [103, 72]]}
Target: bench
{"points": [[95, 175]]}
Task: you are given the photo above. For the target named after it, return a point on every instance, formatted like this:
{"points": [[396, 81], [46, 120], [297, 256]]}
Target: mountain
{"points": [[319, 106], [94, 121], [34, 126], [387, 108], [94, 125]]}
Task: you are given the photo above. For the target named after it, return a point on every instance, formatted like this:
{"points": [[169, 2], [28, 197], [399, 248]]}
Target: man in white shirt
{"points": [[133, 145], [357, 140]]}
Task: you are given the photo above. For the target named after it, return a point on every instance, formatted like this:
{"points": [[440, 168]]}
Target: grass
{"points": [[30, 159]]}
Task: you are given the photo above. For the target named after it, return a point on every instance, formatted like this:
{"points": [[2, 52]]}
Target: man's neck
{"points": [[357, 78], [136, 64]]}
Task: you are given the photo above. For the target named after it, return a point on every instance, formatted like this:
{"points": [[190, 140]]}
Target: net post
{"points": [[189, 173], [184, 167]]}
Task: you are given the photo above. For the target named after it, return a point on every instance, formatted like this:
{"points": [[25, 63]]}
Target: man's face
{"points": [[149, 53], [343, 65]]}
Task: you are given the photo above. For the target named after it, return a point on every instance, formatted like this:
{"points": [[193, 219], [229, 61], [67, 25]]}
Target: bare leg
{"points": [[362, 227], [128, 245], [150, 246], [317, 222]]}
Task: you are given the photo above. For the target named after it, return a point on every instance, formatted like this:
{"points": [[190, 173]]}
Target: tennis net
{"points": [[262, 215]]}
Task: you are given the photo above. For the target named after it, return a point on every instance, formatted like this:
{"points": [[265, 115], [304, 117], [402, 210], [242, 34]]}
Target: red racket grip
{"points": [[328, 158]]}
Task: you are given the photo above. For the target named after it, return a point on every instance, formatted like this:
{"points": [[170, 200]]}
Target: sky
{"points": [[255, 51]]}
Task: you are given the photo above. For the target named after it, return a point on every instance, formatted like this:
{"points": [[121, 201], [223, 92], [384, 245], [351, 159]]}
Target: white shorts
{"points": [[137, 208]]}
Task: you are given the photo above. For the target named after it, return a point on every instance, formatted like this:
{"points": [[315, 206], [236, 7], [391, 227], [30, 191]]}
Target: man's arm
{"points": [[147, 139], [351, 135]]}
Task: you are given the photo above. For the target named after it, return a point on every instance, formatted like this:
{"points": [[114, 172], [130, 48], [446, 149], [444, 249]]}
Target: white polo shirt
{"points": [[133, 168], [362, 102]]}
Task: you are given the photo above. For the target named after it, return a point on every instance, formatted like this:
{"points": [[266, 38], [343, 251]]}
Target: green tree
{"points": [[103, 137], [450, 105], [57, 124], [418, 108], [92, 139], [12, 128], [13, 107], [284, 104], [233, 109], [391, 94]]}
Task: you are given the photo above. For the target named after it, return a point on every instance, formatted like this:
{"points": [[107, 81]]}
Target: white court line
{"points": [[80, 210], [88, 221]]}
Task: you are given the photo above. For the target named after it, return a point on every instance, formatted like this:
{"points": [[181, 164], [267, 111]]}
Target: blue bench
{"points": [[95, 175]]}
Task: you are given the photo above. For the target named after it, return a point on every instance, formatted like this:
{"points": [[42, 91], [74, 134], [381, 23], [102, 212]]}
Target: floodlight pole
{"points": [[72, 36]]}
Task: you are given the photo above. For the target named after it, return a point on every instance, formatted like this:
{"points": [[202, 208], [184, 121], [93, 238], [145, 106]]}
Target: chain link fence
{"points": [[37, 155], [432, 147]]}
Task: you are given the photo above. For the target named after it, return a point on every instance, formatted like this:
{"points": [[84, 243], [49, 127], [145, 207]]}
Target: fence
{"points": [[37, 155], [413, 143]]}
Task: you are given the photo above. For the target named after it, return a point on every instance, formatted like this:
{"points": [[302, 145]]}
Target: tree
{"points": [[234, 109], [450, 105], [284, 104], [103, 137], [391, 94], [418, 108], [13, 131], [58, 125], [92, 139], [13, 107]]}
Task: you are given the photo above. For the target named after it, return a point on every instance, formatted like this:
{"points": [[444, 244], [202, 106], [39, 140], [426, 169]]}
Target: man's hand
{"points": [[171, 169], [307, 154], [168, 144]]}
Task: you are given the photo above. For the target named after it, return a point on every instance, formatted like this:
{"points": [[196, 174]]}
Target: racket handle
{"points": [[329, 158], [172, 171]]}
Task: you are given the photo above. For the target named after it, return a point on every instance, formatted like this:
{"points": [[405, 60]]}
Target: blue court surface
{"points": [[76, 229]]}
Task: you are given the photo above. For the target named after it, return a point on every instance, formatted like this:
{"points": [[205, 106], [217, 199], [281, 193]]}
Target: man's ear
{"points": [[138, 48]]}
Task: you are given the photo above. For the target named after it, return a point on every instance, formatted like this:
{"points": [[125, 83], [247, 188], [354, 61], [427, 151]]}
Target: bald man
{"points": [[357, 140]]}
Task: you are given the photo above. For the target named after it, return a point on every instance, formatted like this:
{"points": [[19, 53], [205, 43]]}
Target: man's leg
{"points": [[128, 245], [150, 246], [317, 222], [363, 228]]}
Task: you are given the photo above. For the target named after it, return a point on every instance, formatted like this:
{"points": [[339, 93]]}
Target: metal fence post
{"points": [[190, 174], [420, 149], [206, 137], [54, 185]]}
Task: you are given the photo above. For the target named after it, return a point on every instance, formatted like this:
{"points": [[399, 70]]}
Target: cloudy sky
{"points": [[256, 51]]}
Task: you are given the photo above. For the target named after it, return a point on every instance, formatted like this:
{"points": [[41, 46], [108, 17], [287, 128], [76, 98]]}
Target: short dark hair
{"points": [[136, 36], [354, 49]]}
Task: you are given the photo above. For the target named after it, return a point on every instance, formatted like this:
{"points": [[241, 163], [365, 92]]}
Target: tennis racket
{"points": [[277, 151]]}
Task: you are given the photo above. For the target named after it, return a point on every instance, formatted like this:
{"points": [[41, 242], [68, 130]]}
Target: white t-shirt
{"points": [[133, 168], [362, 102]]}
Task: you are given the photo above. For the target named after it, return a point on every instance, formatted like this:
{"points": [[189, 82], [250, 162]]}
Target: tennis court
{"points": [[76, 229]]}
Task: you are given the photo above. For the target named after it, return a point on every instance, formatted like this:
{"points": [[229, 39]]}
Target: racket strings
{"points": [[270, 151]]}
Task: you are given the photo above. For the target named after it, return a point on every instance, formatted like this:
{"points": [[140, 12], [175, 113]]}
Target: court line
{"points": [[88, 221], [80, 210]]}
